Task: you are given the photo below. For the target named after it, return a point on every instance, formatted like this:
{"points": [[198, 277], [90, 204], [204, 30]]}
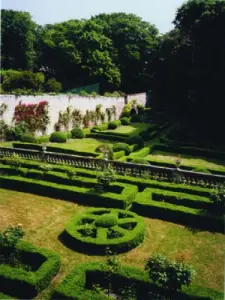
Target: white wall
{"points": [[140, 98], [61, 102]]}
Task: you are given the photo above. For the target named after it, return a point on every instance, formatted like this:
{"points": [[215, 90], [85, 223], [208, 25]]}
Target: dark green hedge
{"points": [[82, 195], [97, 244], [22, 284], [198, 218], [141, 153], [119, 154], [122, 147], [107, 136], [78, 285]]}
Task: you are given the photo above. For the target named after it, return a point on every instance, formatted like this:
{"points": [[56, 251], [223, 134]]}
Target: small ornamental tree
{"points": [[34, 115], [170, 275], [10, 236], [105, 178]]}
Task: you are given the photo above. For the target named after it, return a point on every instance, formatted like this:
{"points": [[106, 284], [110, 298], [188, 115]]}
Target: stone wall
{"points": [[61, 102]]}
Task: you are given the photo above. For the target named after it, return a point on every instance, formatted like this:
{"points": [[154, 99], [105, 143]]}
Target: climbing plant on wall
{"points": [[34, 115]]}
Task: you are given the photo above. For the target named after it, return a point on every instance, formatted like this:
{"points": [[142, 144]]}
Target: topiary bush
{"points": [[136, 140], [28, 138], [101, 127], [122, 146], [58, 137], [77, 133], [106, 220], [125, 121], [171, 275], [114, 124], [97, 229], [52, 85]]}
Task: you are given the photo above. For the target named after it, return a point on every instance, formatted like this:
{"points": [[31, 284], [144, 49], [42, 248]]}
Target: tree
{"points": [[133, 41], [18, 37]]}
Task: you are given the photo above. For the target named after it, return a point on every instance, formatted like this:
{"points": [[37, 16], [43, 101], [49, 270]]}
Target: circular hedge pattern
{"points": [[97, 229]]}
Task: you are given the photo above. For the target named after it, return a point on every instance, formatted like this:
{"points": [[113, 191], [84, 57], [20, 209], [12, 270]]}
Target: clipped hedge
{"points": [[22, 284], [108, 136], [119, 154], [78, 285], [79, 190], [122, 147], [114, 124], [136, 140], [125, 121], [101, 127], [141, 161], [58, 137], [28, 138], [141, 153], [165, 209], [97, 229], [77, 133]]}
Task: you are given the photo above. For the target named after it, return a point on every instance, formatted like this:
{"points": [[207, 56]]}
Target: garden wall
{"points": [[61, 102]]}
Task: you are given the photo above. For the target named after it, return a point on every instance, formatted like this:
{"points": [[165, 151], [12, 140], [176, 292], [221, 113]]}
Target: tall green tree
{"points": [[17, 40], [133, 42]]}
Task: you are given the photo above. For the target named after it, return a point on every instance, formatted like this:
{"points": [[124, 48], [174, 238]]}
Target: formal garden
{"points": [[112, 157]]}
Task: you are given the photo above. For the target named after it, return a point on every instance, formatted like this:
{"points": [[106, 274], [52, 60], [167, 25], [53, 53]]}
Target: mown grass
{"points": [[133, 128], [44, 219], [187, 160]]}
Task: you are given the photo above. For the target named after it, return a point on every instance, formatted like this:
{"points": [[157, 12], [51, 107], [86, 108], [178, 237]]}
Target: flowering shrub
{"points": [[34, 115]]}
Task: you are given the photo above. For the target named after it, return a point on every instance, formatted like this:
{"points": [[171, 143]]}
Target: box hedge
{"points": [[114, 124], [58, 137], [122, 147], [77, 133], [193, 217], [78, 285], [22, 284]]}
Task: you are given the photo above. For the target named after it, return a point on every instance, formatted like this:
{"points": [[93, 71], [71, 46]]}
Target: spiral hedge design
{"points": [[97, 229]]}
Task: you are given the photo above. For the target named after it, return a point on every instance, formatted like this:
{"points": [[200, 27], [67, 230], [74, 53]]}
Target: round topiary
{"points": [[125, 121], [58, 137], [136, 140], [106, 220], [77, 133], [114, 124], [122, 146], [97, 229]]}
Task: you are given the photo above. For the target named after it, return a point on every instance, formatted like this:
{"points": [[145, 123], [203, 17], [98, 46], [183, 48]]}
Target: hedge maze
{"points": [[98, 229]]}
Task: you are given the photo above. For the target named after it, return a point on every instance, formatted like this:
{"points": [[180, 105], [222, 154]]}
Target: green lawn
{"points": [[84, 145], [214, 164], [134, 128], [44, 218]]}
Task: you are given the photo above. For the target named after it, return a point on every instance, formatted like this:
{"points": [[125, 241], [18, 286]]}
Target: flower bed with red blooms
{"points": [[35, 115]]}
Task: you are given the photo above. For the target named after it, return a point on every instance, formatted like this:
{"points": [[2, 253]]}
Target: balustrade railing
{"points": [[124, 168]]}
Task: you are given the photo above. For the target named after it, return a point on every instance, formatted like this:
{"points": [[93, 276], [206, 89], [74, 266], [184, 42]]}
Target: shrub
{"points": [[14, 133], [3, 129], [77, 133], [122, 146], [106, 149], [28, 138], [84, 94], [23, 80], [101, 127], [136, 140], [140, 161], [69, 135], [106, 220], [114, 124], [10, 236], [58, 137], [52, 85], [136, 118], [105, 178], [125, 121], [217, 196], [171, 275], [42, 139], [126, 113]]}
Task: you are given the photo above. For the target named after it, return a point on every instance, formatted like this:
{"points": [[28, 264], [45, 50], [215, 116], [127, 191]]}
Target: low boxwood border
{"points": [[97, 245], [81, 195], [78, 284], [22, 284], [193, 217]]}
